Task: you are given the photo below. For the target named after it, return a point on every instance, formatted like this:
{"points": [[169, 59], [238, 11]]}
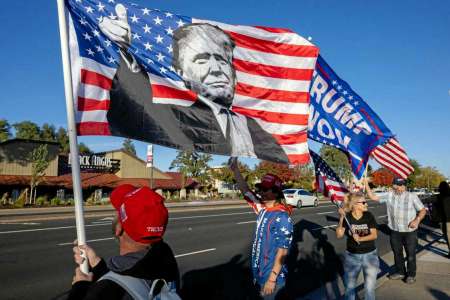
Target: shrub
{"points": [[41, 200], [69, 202], [55, 202]]}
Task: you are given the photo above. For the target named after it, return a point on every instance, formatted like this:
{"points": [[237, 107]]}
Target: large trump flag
{"points": [[188, 83], [340, 118]]}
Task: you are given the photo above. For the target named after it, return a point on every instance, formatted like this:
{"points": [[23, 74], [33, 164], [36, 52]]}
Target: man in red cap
{"points": [[273, 235], [139, 225]]}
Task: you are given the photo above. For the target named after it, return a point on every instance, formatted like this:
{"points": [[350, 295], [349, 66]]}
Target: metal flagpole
{"points": [[150, 163], [71, 128]]}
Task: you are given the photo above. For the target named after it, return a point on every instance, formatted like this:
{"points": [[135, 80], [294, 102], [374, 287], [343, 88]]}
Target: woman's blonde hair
{"points": [[351, 199]]}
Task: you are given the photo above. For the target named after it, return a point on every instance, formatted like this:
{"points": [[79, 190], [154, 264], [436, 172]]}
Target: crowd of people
{"points": [[147, 269]]}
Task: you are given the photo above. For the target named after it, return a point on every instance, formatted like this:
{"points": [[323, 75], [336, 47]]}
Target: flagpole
{"points": [[71, 130]]}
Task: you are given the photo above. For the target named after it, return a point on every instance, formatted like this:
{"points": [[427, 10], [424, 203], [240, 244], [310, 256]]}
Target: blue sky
{"points": [[395, 54]]}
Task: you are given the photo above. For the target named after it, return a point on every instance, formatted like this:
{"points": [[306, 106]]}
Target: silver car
{"points": [[300, 197]]}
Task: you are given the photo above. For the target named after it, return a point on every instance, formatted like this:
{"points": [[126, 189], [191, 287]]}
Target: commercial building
{"points": [[100, 173]]}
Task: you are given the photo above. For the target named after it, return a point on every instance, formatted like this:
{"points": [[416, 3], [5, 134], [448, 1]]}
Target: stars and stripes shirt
{"points": [[274, 230], [327, 180], [392, 156], [273, 68], [401, 210]]}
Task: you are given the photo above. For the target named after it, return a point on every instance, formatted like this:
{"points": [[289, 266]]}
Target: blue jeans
{"points": [[353, 264]]}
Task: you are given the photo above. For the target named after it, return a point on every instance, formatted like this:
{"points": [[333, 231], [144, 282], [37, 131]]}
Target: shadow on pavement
{"points": [[232, 280], [311, 268], [438, 295]]}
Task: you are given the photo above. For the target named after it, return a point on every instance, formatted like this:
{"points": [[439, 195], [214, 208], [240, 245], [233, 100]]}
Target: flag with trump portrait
{"points": [[189, 83]]}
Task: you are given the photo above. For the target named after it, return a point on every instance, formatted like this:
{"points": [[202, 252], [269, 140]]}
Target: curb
{"points": [[325, 291]]}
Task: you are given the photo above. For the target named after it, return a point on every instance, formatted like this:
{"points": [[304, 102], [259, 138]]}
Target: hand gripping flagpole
{"points": [[71, 128]]}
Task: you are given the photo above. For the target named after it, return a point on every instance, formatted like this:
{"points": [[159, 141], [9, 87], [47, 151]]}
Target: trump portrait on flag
{"points": [[202, 56], [192, 84]]}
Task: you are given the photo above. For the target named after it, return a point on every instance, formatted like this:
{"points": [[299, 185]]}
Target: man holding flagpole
{"points": [[405, 212]]}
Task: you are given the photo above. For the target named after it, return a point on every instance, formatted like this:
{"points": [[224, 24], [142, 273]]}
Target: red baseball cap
{"points": [[141, 212], [270, 181]]}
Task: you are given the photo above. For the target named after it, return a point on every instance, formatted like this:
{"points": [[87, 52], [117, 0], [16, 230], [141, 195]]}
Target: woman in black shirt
{"points": [[361, 253]]}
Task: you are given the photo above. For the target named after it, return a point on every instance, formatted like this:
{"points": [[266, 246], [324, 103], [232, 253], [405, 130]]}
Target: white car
{"points": [[300, 197]]}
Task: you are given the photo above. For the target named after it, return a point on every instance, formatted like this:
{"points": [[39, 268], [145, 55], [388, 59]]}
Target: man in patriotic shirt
{"points": [[273, 234]]}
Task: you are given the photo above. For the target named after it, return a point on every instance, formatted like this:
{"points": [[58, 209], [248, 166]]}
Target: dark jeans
{"points": [[407, 240]]}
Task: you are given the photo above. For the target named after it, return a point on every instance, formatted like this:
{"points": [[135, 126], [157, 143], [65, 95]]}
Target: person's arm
{"points": [[118, 30], [234, 166], [370, 194], [340, 230], [422, 212], [271, 282]]}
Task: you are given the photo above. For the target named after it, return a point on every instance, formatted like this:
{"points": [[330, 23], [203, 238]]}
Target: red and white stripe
{"points": [[392, 156], [334, 190], [273, 67]]}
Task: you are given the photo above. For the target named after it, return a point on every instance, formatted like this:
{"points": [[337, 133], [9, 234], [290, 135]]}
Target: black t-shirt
{"points": [[361, 227]]}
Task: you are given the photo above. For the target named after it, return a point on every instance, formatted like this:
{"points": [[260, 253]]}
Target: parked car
{"points": [[300, 197]]}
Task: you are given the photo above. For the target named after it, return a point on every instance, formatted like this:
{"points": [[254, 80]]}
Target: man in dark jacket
{"points": [[141, 220]]}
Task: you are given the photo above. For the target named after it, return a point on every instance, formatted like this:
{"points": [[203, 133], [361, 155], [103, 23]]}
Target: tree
{"points": [[27, 130], [48, 133], [382, 177], [5, 130], [128, 146], [338, 161], [226, 175], [83, 149], [39, 162], [192, 164], [63, 139], [429, 178], [412, 178]]}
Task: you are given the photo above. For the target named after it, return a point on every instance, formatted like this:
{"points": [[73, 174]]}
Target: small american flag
{"points": [[392, 156], [327, 181], [273, 68]]}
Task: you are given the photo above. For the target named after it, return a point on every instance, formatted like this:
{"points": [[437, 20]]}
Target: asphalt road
{"points": [[212, 249]]}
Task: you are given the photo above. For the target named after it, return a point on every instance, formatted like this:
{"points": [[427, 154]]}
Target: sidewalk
{"points": [[433, 274]]}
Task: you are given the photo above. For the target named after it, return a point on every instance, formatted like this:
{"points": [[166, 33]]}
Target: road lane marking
{"points": [[195, 252], [208, 216], [88, 241], [327, 212], [12, 223], [49, 228], [324, 227], [379, 217], [101, 223], [246, 222]]}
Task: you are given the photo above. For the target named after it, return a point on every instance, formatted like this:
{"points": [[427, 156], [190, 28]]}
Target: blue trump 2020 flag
{"points": [[340, 118]]}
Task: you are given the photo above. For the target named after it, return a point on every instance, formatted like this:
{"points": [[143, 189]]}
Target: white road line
{"points": [[101, 222], [324, 227], [208, 216], [195, 252], [89, 241], [326, 212], [246, 222], [107, 219], [12, 223], [379, 217], [49, 228]]}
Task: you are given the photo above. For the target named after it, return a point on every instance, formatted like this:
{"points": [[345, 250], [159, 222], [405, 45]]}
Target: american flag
{"points": [[392, 156], [273, 67], [327, 181]]}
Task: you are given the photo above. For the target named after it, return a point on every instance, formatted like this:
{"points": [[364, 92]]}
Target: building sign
{"points": [[92, 163], [149, 156]]}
